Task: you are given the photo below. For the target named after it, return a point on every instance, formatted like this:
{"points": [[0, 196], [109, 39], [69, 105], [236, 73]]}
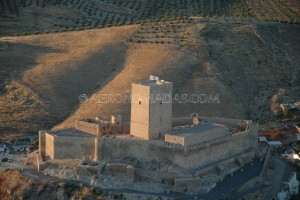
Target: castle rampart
{"points": [[200, 142]]}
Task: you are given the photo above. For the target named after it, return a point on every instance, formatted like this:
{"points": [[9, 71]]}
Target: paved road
{"points": [[223, 189]]}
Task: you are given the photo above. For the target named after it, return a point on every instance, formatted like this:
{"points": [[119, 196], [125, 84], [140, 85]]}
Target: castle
{"points": [[204, 143]]}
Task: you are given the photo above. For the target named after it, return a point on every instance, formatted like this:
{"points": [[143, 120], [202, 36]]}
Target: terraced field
{"points": [[171, 32], [35, 16]]}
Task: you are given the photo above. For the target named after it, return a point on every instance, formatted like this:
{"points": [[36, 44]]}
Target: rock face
{"points": [[14, 185]]}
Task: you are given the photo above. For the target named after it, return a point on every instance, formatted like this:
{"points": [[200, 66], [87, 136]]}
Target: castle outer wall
{"points": [[67, 147], [94, 129], [199, 155]]}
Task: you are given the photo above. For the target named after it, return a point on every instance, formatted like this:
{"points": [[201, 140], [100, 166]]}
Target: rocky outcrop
{"points": [[13, 185]]}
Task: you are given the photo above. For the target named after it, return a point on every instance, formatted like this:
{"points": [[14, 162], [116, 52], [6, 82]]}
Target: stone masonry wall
{"points": [[74, 147], [88, 127], [61, 147], [49, 145], [203, 155]]}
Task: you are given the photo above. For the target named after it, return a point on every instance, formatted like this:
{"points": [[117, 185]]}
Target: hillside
{"points": [[250, 70], [22, 17], [44, 75]]}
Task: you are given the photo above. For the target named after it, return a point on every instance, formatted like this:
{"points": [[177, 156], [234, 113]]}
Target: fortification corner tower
{"points": [[151, 109]]}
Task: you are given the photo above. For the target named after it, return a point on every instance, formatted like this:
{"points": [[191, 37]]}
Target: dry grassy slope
{"points": [[56, 69], [234, 60], [168, 63], [85, 63], [188, 71], [257, 63]]}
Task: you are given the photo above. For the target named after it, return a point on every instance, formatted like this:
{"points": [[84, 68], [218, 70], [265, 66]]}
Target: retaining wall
{"points": [[159, 177]]}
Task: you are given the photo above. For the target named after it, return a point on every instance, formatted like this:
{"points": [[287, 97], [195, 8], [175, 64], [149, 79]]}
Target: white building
{"points": [[291, 188]]}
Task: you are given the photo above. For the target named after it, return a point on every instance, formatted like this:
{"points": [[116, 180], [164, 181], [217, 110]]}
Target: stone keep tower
{"points": [[151, 109]]}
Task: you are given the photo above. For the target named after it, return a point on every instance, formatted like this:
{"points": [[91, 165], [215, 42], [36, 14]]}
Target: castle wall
{"points": [[49, 145], [175, 139], [42, 141], [194, 156], [188, 137], [202, 155], [229, 161], [222, 120], [91, 128], [182, 121], [215, 132], [140, 149], [252, 139], [215, 151], [117, 124], [74, 147]]}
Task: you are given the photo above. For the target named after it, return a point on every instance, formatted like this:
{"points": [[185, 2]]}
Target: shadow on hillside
{"points": [[86, 77], [12, 54], [59, 92]]}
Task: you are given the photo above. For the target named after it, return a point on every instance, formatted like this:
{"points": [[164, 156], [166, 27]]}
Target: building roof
{"points": [[198, 129], [274, 143], [262, 139]]}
